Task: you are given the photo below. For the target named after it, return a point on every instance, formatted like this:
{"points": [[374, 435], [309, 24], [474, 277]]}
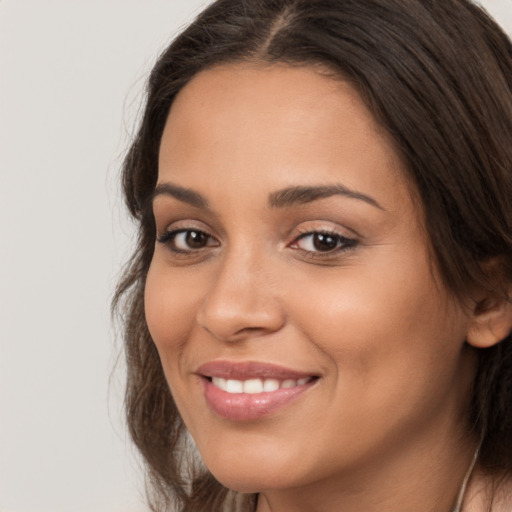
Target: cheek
{"points": [[170, 308], [393, 349], [382, 325]]}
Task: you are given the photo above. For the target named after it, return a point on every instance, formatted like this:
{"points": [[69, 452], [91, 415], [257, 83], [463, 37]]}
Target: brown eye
{"points": [[318, 242], [196, 239], [187, 240], [325, 242]]}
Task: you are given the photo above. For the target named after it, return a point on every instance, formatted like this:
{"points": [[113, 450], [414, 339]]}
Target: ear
{"points": [[491, 321]]}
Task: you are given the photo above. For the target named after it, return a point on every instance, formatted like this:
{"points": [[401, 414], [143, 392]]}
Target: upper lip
{"points": [[249, 370]]}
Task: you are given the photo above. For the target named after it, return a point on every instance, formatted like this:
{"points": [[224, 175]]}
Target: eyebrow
{"points": [[185, 195], [301, 195], [286, 197]]}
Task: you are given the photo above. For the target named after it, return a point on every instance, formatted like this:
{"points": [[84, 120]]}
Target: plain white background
{"points": [[71, 80]]}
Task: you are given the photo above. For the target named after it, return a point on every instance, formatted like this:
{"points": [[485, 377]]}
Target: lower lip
{"points": [[248, 406]]}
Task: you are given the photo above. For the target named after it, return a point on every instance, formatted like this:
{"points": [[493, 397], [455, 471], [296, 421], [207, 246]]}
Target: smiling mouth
{"points": [[256, 385], [251, 391]]}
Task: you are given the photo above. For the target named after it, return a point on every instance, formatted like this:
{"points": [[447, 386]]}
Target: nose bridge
{"points": [[241, 301]]}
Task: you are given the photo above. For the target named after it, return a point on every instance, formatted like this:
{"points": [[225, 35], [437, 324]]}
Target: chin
{"points": [[249, 482], [247, 474]]}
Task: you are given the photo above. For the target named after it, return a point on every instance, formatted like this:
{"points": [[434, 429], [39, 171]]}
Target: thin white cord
{"points": [[462, 491]]}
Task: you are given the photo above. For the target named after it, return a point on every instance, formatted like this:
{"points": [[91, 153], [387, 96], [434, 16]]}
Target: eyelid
{"points": [[327, 227], [341, 238], [171, 233], [179, 248], [344, 243], [184, 224], [173, 236], [302, 232]]}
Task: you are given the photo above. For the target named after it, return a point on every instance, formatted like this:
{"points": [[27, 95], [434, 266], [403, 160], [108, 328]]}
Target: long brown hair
{"points": [[437, 75]]}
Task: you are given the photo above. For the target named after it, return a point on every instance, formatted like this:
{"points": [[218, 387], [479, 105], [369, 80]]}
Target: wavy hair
{"points": [[437, 75]]}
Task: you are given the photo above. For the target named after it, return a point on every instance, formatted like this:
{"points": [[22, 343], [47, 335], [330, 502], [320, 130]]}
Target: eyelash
{"points": [[342, 243], [169, 238]]}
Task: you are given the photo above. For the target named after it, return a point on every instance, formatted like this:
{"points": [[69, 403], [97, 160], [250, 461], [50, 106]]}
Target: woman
{"points": [[320, 295]]}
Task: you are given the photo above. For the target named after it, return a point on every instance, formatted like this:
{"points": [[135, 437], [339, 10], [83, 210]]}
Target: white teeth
{"points": [[270, 385], [219, 382], [234, 386], [253, 386]]}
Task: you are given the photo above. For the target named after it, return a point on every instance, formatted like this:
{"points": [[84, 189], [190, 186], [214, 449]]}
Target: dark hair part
{"points": [[437, 75]]}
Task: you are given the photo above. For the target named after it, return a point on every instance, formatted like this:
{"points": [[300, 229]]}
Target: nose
{"points": [[241, 302]]}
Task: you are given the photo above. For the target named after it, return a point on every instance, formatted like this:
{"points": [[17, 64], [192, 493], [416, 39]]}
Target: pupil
{"points": [[324, 242], [196, 239]]}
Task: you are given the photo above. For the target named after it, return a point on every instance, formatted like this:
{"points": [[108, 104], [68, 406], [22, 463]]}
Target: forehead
{"points": [[276, 125]]}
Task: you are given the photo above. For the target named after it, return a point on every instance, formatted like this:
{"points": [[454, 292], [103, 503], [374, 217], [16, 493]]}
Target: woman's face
{"points": [[300, 321]]}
